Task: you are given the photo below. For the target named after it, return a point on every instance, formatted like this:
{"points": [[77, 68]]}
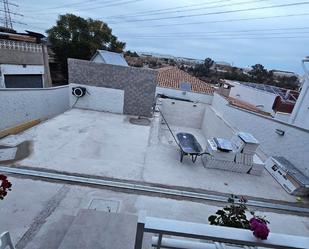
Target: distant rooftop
{"points": [[109, 58], [173, 77], [282, 92], [247, 106]]}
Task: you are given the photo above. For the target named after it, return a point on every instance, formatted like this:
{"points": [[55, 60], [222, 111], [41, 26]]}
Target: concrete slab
{"points": [[95, 229], [54, 235], [87, 142], [28, 198], [23, 204], [108, 145], [7, 154]]}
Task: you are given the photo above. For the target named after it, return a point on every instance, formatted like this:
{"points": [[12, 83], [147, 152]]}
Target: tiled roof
{"points": [[172, 77], [247, 106]]}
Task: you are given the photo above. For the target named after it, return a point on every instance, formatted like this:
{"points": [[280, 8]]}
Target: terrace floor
{"points": [[108, 145]]}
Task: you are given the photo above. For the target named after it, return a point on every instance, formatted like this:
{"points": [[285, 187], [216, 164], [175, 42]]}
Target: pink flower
{"points": [[259, 228]]}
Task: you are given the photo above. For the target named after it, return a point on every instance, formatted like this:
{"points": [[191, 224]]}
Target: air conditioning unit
{"points": [[79, 91]]}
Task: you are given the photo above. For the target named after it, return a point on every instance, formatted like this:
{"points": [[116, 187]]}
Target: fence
{"points": [[21, 46], [215, 237]]}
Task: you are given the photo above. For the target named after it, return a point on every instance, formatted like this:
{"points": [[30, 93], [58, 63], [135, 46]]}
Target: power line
{"points": [[197, 35], [114, 4], [231, 38], [17, 22], [67, 5], [7, 15], [227, 20], [224, 32], [8, 11], [83, 3], [166, 9], [218, 12], [197, 9], [13, 4]]}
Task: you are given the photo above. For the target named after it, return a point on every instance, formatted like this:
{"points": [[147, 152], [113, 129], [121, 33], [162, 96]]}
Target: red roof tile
{"points": [[247, 106], [172, 76]]}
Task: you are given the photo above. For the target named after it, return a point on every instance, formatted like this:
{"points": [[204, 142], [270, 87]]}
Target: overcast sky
{"points": [[277, 37]]}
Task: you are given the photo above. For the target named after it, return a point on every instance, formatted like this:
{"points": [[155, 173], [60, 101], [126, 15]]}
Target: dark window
{"points": [[23, 81]]}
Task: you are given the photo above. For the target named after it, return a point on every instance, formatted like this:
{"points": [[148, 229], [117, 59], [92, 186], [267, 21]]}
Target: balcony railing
{"points": [[183, 235], [21, 46]]}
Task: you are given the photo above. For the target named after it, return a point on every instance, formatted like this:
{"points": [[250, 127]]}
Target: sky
{"points": [[274, 33]]}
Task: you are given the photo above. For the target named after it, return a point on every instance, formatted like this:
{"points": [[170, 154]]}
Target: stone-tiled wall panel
{"points": [[139, 84]]}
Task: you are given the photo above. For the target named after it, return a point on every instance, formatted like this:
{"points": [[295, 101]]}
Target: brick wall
{"points": [[139, 84]]}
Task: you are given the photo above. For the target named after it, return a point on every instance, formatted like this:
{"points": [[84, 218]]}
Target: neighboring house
{"points": [[267, 98], [107, 57], [176, 83], [23, 60], [172, 77], [280, 73], [225, 89], [222, 66]]}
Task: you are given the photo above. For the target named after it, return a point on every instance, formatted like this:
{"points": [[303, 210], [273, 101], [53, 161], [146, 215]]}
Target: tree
{"points": [[76, 37], [259, 73], [203, 69]]}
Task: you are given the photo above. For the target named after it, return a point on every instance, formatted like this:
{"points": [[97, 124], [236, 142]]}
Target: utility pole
{"points": [[7, 15]]}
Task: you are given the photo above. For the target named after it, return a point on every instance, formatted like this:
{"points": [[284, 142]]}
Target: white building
{"points": [[260, 98], [23, 61], [107, 57], [300, 114], [280, 73]]}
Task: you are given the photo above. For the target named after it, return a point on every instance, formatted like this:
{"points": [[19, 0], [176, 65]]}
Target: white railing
{"points": [[21, 46], [198, 236]]}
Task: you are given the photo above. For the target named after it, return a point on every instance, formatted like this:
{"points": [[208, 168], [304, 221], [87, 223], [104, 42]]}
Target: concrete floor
{"points": [[105, 144], [33, 209]]}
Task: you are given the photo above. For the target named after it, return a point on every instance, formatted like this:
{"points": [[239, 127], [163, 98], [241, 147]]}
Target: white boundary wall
{"points": [[300, 114], [21, 105], [183, 113], [187, 95], [293, 145], [253, 96], [99, 99]]}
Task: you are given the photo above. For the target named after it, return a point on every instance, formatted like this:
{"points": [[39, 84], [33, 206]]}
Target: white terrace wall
{"points": [[21, 105], [187, 95], [183, 113], [99, 99], [214, 125], [253, 96], [293, 145]]}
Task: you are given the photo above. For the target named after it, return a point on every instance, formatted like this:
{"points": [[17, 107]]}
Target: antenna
{"points": [[7, 15]]}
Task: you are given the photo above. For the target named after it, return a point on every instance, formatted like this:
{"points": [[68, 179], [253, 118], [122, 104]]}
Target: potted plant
{"points": [[5, 186], [234, 215]]}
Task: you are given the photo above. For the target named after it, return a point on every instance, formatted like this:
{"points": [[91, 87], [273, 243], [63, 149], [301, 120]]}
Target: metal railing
{"points": [[208, 236]]}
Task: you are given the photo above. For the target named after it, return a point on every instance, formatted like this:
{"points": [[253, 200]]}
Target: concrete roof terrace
{"points": [[107, 145]]}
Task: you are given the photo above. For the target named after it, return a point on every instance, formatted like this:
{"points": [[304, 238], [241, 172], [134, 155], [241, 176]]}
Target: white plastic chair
{"points": [[5, 241]]}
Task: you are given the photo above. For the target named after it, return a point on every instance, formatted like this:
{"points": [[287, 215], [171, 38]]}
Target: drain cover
{"points": [[7, 154], [110, 206], [140, 121]]}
